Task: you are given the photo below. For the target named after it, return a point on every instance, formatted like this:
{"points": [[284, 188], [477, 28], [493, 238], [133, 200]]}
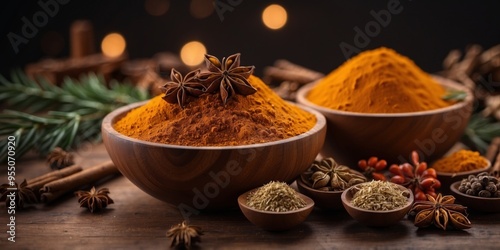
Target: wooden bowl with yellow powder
{"points": [[211, 153], [381, 104]]}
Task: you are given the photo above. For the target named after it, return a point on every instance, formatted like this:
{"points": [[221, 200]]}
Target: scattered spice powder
{"points": [[379, 81], [460, 161], [275, 197], [206, 121], [379, 196]]}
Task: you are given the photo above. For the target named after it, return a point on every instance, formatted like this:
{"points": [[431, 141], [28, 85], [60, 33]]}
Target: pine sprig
{"points": [[77, 108], [480, 132]]}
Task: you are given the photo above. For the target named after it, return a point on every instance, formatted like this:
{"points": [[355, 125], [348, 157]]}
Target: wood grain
{"points": [[139, 221]]}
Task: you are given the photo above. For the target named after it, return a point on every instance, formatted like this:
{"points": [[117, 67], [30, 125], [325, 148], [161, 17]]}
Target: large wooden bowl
{"points": [[352, 136], [197, 178]]}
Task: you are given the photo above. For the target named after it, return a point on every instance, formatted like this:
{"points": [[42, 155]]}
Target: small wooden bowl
{"points": [[447, 179], [480, 204], [352, 136], [198, 178], [275, 221], [375, 218], [322, 199]]}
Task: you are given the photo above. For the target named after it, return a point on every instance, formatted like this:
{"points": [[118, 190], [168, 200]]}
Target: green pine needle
{"points": [[481, 131], [43, 116], [455, 95]]}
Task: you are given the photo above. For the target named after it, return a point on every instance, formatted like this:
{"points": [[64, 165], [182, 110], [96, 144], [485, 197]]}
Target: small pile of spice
{"points": [[379, 81], [460, 161], [379, 196], [275, 197], [207, 121]]}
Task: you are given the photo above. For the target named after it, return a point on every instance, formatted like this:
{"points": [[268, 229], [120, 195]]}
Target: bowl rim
{"points": [[474, 171], [447, 83], [110, 119], [454, 190], [346, 202], [242, 198], [310, 189]]}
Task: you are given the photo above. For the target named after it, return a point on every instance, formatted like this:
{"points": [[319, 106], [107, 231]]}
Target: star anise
{"points": [[228, 77], [184, 235], [94, 200], [177, 90], [58, 158], [21, 194], [440, 211]]}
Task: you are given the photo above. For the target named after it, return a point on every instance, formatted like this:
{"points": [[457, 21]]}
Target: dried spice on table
{"points": [[439, 211], [19, 197], [58, 158], [94, 200], [373, 168], [482, 185], [276, 197], [418, 178], [184, 235], [328, 175]]}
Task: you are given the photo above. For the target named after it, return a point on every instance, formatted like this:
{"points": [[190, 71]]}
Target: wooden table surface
{"points": [[139, 221]]}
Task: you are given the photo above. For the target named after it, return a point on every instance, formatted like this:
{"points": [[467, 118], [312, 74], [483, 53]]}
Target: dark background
{"points": [[424, 31]]}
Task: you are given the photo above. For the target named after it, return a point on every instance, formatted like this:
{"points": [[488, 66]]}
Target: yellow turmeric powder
{"points": [[460, 161], [378, 81], [206, 121]]}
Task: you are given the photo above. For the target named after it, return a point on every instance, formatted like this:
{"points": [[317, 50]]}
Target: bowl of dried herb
{"points": [[212, 136], [377, 203], [275, 206], [381, 103]]}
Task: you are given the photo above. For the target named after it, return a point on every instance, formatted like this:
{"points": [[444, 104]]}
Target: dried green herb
{"points": [[379, 196], [276, 197]]}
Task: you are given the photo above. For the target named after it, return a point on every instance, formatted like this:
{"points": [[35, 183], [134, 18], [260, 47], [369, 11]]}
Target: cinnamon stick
{"points": [[38, 182], [288, 75], [82, 178], [492, 150], [285, 64], [495, 170]]}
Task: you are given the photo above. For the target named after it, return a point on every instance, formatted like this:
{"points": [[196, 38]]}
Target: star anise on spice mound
{"points": [[58, 158], [20, 193], [94, 200], [440, 211], [184, 235], [177, 90], [228, 77]]}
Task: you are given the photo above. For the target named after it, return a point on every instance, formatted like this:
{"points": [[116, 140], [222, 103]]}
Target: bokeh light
{"points": [[201, 8], [193, 53], [156, 7], [113, 45], [274, 16]]}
